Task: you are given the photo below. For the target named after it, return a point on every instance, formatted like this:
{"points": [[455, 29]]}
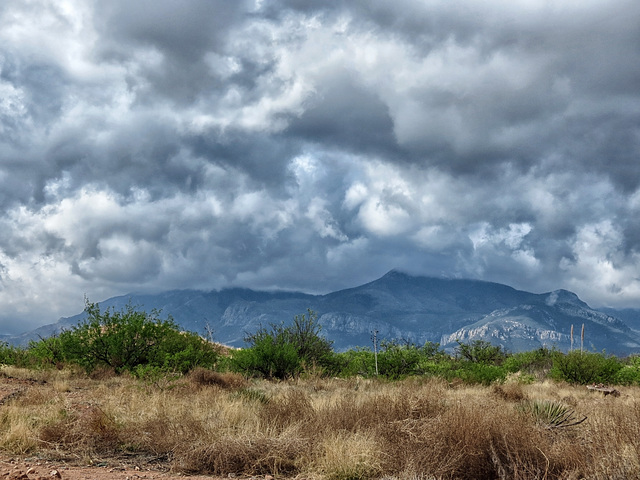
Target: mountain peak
{"points": [[564, 296]]}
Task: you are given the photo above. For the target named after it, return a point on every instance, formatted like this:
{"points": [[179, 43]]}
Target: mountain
{"points": [[630, 316], [398, 306]]}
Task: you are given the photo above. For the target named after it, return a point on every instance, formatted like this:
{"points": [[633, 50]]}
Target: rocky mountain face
{"points": [[399, 307]]}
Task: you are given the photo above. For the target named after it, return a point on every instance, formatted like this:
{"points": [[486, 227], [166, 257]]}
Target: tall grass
{"points": [[339, 429]]}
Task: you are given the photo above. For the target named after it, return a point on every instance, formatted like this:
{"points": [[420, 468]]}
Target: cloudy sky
{"points": [[150, 145]]}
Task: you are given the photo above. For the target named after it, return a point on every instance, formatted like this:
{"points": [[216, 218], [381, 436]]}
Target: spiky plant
{"points": [[552, 414]]}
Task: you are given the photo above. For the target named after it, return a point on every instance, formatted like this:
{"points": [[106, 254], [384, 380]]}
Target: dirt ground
{"points": [[34, 469]]}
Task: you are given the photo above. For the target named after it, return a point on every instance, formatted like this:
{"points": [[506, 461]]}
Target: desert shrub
{"points": [[481, 351], [443, 368], [537, 362], [359, 361], [227, 380], [397, 360], [629, 374], [13, 355], [471, 372], [552, 414], [268, 357], [52, 351], [585, 367], [284, 351], [124, 340]]}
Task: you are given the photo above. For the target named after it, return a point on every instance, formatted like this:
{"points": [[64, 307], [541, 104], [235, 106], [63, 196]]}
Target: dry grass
{"points": [[324, 428]]}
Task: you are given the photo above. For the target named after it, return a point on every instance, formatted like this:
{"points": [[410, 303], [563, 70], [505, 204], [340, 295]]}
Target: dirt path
{"points": [[26, 469]]}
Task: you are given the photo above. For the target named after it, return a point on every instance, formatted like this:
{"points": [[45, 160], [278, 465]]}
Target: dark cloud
{"points": [[315, 146]]}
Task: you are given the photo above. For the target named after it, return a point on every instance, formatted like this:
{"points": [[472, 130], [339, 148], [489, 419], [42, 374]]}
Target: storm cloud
{"points": [[155, 145]]}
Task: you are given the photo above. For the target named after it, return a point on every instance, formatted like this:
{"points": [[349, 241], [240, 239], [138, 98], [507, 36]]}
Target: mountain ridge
{"points": [[398, 306]]}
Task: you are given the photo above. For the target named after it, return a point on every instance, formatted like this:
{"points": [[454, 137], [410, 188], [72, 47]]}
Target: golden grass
{"points": [[339, 429]]}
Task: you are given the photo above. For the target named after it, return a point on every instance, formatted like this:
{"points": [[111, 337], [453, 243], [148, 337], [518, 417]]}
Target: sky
{"points": [[152, 145]]}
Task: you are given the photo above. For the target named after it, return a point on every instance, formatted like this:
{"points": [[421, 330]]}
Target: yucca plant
{"points": [[552, 414]]}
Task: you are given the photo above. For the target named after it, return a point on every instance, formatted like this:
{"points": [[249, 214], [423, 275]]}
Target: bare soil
{"points": [[36, 469]]}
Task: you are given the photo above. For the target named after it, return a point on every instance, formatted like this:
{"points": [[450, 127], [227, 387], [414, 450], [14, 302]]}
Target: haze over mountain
{"points": [[398, 306]]}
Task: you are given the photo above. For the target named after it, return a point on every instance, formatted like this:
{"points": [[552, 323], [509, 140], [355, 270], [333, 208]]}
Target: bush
{"points": [[481, 351], [124, 341], [471, 372], [358, 361], [585, 367], [268, 357], [629, 374], [537, 361], [286, 351], [12, 355], [397, 360]]}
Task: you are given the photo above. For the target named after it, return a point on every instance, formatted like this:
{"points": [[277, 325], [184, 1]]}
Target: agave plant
{"points": [[552, 414]]}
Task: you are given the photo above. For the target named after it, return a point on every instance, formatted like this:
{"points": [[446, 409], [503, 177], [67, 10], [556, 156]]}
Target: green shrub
{"points": [[51, 351], [12, 355], [481, 351], [629, 374], [471, 372], [585, 367], [397, 360], [537, 361], [124, 340], [281, 351], [268, 358], [359, 361]]}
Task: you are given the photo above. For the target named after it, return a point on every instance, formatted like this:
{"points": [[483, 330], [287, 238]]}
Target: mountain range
{"points": [[397, 306]]}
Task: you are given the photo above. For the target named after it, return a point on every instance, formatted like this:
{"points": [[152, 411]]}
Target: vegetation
{"points": [[224, 424], [280, 351], [127, 384], [129, 340], [151, 347]]}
